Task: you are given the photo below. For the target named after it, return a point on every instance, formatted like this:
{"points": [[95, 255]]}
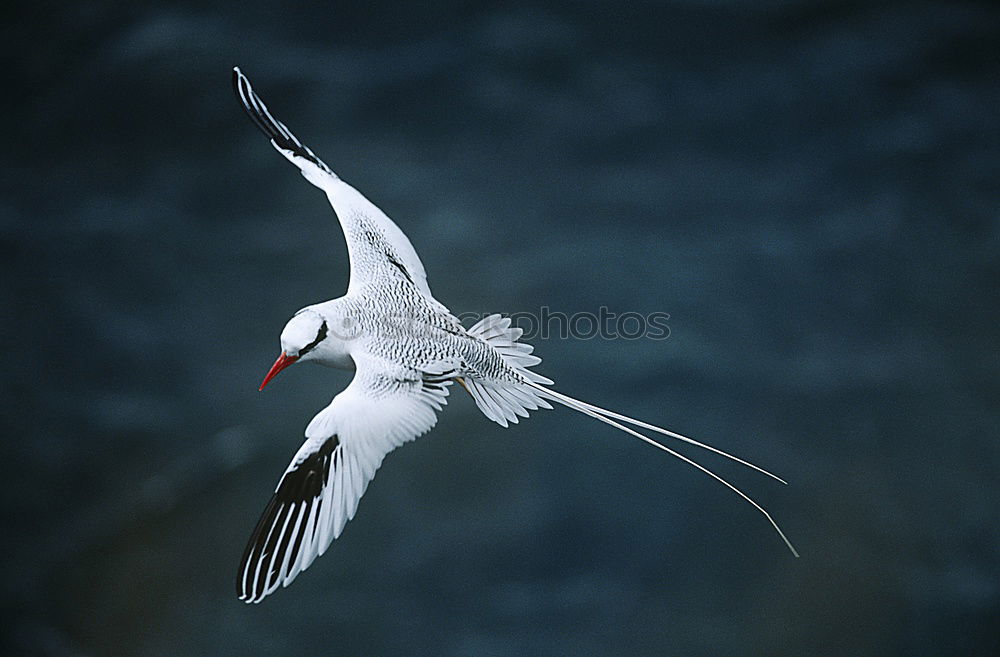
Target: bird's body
{"points": [[407, 349], [414, 336]]}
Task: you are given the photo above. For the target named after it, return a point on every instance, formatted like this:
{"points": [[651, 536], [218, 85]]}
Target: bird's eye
{"points": [[320, 336]]}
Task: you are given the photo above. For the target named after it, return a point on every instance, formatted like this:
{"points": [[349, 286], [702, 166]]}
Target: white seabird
{"points": [[406, 349]]}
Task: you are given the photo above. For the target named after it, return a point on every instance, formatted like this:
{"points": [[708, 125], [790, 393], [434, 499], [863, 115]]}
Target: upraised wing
{"points": [[379, 251], [382, 408]]}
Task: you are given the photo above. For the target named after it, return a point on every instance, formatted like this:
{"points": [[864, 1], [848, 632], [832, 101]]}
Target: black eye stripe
{"points": [[320, 336]]}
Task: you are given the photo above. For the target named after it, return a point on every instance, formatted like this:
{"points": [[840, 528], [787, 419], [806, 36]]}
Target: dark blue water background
{"points": [[810, 189]]}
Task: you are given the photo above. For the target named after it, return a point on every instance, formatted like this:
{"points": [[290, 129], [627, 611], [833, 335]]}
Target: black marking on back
{"points": [[379, 243], [398, 265]]}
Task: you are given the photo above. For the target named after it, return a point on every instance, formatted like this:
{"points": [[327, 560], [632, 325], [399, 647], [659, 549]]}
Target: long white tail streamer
{"points": [[607, 417], [639, 423]]}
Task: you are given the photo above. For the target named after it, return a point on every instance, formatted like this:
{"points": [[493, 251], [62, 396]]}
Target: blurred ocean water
{"points": [[809, 189]]}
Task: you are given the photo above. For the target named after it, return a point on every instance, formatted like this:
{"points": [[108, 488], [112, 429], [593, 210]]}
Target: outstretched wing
{"points": [[319, 492], [380, 253]]}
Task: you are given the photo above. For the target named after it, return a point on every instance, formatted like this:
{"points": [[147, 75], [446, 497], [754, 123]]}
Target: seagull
{"points": [[406, 350]]}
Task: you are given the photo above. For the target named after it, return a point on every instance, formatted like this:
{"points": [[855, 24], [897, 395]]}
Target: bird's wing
{"points": [[379, 251], [382, 408]]}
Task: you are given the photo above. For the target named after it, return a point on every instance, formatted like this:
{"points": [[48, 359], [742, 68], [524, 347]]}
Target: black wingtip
{"points": [[254, 106], [274, 129], [302, 484], [237, 74]]}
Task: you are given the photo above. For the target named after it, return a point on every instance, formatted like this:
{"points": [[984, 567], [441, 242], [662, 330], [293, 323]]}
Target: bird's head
{"points": [[301, 336]]}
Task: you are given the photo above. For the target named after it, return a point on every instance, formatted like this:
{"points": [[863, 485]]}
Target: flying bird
{"points": [[406, 350]]}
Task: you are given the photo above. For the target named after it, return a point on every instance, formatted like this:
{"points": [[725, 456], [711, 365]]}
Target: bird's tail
{"points": [[619, 421], [504, 402]]}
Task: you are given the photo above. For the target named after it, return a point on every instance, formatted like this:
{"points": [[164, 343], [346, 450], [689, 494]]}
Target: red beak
{"points": [[280, 364]]}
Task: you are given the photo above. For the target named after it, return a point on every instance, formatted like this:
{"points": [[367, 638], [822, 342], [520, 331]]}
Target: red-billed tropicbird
{"points": [[406, 349]]}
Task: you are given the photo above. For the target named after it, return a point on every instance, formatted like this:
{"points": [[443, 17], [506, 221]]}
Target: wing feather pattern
{"points": [[382, 408], [379, 251]]}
